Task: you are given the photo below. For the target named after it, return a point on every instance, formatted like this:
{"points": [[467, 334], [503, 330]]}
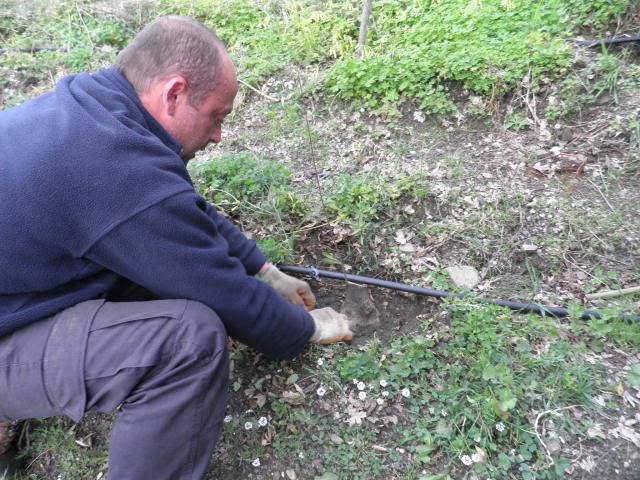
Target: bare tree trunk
{"points": [[364, 26]]}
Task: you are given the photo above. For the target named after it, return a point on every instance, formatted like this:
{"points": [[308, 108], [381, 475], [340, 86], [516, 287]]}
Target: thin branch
{"points": [[269, 97], [613, 293], [312, 153], [535, 428], [602, 195]]}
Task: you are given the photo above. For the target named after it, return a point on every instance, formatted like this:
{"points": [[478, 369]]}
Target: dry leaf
{"points": [[595, 431], [355, 416], [261, 399], [629, 434], [293, 398], [84, 442]]}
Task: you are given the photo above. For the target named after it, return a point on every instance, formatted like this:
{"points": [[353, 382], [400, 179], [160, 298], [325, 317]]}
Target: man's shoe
{"points": [[10, 464]]}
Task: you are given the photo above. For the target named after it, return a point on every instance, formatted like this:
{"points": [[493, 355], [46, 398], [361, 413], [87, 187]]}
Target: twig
{"points": [[535, 428], [311, 227], [44, 452], [269, 97], [312, 153], [612, 293], [601, 194], [93, 46]]}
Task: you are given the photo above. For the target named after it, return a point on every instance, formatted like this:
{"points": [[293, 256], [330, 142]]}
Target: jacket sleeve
{"points": [[176, 250], [240, 246]]}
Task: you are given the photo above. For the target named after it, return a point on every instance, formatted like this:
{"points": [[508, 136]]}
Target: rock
{"points": [[554, 445], [604, 99], [528, 247], [291, 474], [359, 307], [327, 476], [464, 276], [566, 134], [336, 439], [407, 248]]}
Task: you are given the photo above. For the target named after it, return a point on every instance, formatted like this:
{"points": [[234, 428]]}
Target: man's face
{"points": [[196, 127]]}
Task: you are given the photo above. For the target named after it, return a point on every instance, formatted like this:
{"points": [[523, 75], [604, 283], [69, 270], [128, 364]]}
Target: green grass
{"points": [[258, 192], [415, 48], [487, 46], [58, 438], [264, 37], [470, 388], [490, 374], [360, 199]]}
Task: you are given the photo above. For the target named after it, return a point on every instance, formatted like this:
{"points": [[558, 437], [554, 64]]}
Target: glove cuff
{"points": [[266, 275]]}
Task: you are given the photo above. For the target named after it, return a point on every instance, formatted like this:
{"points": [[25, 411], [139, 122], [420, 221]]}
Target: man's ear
{"points": [[174, 94]]}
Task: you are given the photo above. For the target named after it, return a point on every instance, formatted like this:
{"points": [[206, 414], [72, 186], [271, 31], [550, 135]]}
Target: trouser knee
{"points": [[185, 346], [202, 331]]}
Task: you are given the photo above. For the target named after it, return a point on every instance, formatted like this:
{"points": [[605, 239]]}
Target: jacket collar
{"points": [[125, 87]]}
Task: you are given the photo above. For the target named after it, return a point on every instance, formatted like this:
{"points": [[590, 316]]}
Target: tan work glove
{"points": [[294, 290], [331, 326]]}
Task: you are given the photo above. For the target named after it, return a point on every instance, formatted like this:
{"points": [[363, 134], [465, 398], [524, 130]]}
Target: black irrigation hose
{"points": [[543, 310], [33, 50], [608, 41]]}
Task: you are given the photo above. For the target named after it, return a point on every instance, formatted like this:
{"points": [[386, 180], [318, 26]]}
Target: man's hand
{"points": [[294, 290], [331, 326]]}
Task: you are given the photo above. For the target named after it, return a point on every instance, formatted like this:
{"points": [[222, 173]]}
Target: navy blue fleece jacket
{"points": [[93, 189]]}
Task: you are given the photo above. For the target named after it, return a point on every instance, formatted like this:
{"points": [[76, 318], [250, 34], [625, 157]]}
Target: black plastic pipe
{"points": [[543, 310], [608, 41], [34, 49]]}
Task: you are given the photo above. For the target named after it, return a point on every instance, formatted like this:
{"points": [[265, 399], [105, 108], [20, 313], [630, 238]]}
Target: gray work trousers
{"points": [[163, 364]]}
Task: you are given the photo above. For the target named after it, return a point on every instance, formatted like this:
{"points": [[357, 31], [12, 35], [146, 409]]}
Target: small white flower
{"points": [[405, 392], [379, 401], [466, 459], [500, 427], [443, 412], [321, 391], [320, 362], [248, 426], [355, 381], [256, 462], [385, 393], [228, 418], [418, 116], [383, 383], [301, 455], [362, 395], [263, 421], [360, 385]]}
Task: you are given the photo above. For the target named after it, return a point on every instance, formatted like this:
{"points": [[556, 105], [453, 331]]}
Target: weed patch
{"points": [[360, 199], [263, 37], [259, 192], [473, 389], [71, 460]]}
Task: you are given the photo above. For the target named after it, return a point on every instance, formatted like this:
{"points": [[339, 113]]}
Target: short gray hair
{"points": [[173, 45]]}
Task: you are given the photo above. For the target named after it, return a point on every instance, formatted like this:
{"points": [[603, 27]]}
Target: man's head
{"points": [[184, 78]]}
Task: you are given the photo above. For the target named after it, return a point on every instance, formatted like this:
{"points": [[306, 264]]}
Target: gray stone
{"points": [[464, 276]]}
